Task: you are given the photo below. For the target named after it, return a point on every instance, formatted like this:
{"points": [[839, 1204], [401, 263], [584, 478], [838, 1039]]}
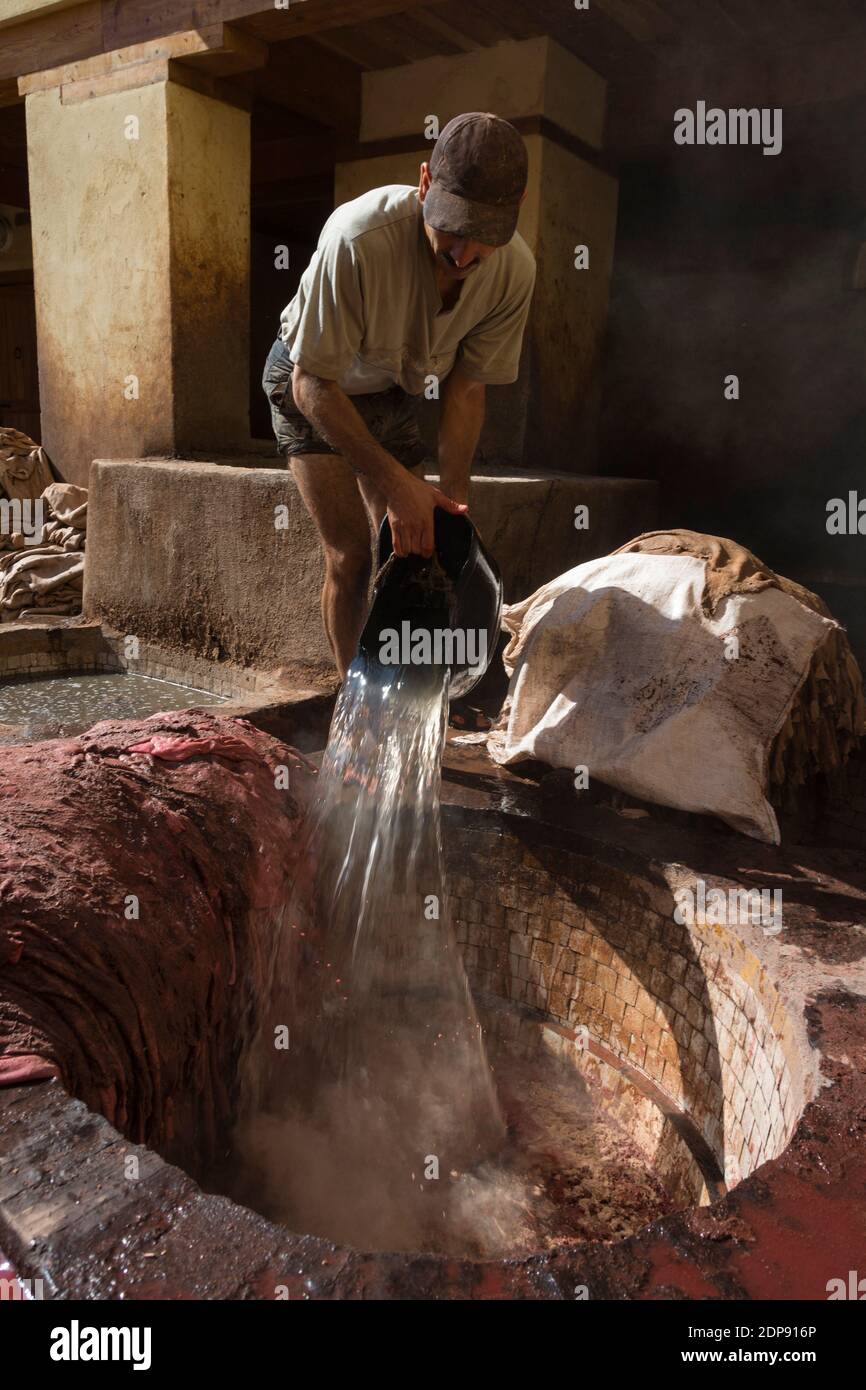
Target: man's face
{"points": [[456, 257]]}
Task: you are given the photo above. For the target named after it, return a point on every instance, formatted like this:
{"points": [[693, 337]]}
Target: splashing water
{"points": [[385, 1089], [379, 1124]]}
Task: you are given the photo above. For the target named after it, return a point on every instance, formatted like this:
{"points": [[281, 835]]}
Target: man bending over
{"points": [[406, 284]]}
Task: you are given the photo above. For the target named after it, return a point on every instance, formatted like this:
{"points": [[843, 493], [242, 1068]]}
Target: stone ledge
{"points": [[186, 554]]}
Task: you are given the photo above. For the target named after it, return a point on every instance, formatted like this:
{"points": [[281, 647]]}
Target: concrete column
{"points": [[549, 418], [141, 233]]}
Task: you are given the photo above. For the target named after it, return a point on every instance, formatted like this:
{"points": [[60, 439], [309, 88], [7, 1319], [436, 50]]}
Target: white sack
{"points": [[614, 666]]}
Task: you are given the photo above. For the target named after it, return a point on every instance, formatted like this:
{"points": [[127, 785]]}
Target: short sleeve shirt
{"points": [[368, 313]]}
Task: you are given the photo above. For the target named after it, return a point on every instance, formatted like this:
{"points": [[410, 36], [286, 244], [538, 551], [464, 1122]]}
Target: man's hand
{"points": [[411, 502]]}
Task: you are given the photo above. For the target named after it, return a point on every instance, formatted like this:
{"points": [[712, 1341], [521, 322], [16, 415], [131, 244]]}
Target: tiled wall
{"points": [[643, 1116], [34, 650], [588, 944], [37, 650]]}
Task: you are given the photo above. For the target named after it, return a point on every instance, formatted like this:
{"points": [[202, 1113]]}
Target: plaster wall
{"points": [[189, 556], [209, 210], [526, 78], [141, 272], [572, 204], [101, 256]]}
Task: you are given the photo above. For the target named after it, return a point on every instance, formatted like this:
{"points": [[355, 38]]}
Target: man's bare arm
{"points": [[463, 402], [410, 501]]}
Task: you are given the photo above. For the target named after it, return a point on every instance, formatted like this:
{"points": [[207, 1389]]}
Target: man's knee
{"points": [[349, 566]]}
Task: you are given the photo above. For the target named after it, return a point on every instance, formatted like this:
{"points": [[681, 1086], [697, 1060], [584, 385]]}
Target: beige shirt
{"points": [[368, 312]]}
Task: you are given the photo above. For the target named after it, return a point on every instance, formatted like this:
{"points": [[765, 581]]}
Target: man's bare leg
{"points": [[374, 502], [330, 492]]}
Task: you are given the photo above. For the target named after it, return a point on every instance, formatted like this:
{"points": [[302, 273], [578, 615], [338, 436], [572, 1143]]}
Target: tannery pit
{"points": [[648, 1067]]}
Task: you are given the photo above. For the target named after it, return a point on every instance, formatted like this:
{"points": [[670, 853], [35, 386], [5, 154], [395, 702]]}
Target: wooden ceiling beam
{"points": [[313, 82], [353, 44], [517, 18], [316, 16], [375, 44], [460, 41], [409, 41], [101, 26], [46, 41], [477, 27], [217, 49]]}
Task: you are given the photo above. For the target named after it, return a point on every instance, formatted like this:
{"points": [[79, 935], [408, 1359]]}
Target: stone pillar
{"points": [[549, 418], [141, 230]]}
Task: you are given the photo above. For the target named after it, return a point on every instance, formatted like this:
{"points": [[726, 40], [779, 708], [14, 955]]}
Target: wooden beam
{"points": [[238, 52], [230, 90], [135, 20], [482, 29], [146, 75], [100, 26], [218, 47], [365, 46], [432, 21], [16, 16], [54, 38], [81, 89], [352, 44], [313, 82], [408, 41], [515, 17]]}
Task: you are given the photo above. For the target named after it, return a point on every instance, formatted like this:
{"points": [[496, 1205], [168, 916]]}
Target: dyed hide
{"points": [[143, 866]]}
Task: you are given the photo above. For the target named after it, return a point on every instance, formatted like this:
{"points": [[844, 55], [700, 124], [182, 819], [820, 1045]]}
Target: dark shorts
{"points": [[390, 416]]}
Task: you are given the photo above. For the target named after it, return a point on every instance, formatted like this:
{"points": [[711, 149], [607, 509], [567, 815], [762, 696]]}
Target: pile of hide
{"points": [[682, 671], [143, 867], [43, 536]]}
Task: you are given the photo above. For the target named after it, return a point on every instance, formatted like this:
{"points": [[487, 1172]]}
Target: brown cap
{"points": [[479, 168]]}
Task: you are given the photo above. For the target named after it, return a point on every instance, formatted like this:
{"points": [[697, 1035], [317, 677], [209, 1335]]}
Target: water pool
{"points": [[68, 704]]}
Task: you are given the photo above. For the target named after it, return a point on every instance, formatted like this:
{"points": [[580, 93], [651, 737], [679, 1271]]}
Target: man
{"points": [[406, 285]]}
